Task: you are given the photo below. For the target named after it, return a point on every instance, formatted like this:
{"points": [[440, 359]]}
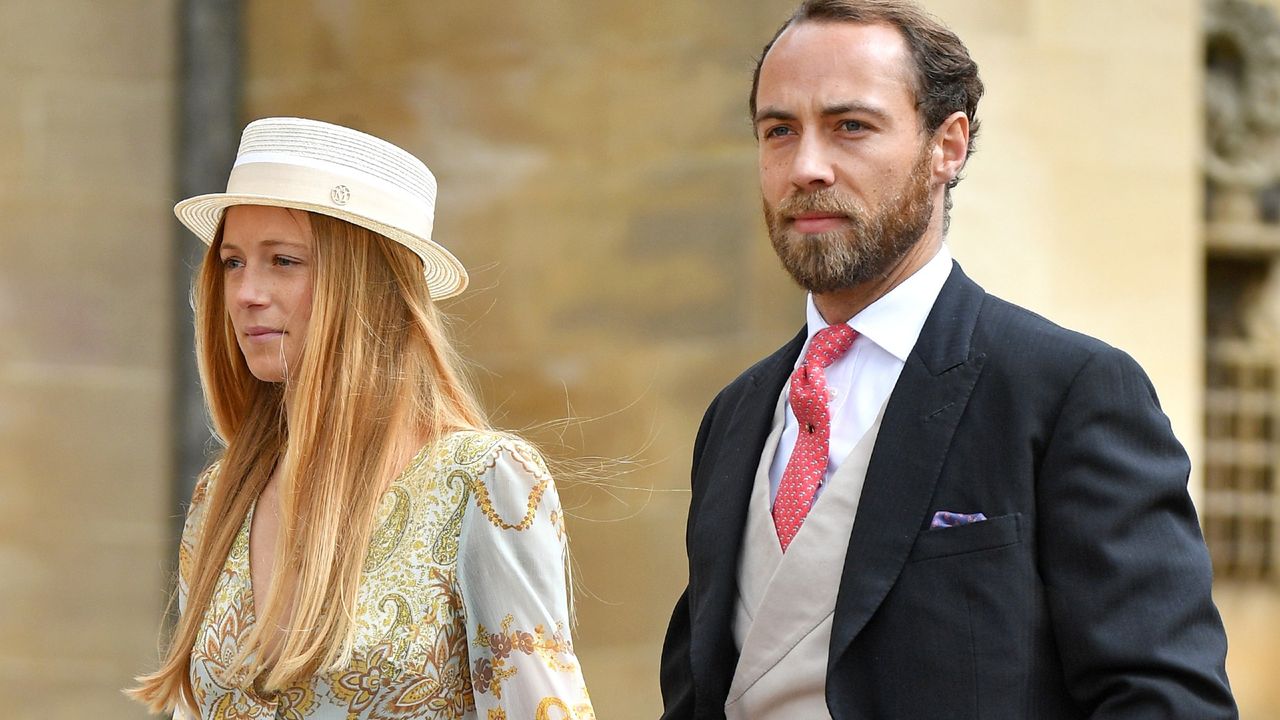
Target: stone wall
{"points": [[85, 314]]}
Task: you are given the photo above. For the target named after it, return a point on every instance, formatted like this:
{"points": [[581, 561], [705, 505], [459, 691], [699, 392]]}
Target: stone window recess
{"points": [[1241, 508], [1241, 504]]}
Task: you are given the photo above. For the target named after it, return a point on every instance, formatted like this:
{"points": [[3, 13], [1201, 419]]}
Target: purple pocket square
{"points": [[944, 518]]}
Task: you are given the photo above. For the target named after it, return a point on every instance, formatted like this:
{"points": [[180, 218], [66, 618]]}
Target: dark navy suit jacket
{"points": [[1086, 594]]}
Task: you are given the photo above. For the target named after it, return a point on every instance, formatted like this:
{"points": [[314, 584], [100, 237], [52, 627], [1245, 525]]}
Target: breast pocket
{"points": [[989, 534]]}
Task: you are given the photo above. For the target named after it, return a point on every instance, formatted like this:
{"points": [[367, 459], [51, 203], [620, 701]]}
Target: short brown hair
{"points": [[945, 78]]}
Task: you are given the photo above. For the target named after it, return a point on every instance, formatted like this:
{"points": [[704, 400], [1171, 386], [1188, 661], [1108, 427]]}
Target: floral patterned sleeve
{"points": [[511, 568]]}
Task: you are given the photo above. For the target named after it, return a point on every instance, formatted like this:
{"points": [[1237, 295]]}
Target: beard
{"points": [[867, 249]]}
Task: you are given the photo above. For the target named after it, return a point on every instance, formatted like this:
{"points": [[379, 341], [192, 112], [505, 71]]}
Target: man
{"points": [[930, 503]]}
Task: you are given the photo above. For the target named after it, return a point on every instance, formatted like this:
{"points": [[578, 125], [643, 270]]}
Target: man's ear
{"points": [[950, 147]]}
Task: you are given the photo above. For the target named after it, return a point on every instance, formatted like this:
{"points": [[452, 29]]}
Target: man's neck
{"points": [[840, 305]]}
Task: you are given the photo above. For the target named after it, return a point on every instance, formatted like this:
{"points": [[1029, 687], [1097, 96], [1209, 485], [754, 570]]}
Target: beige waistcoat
{"points": [[782, 665]]}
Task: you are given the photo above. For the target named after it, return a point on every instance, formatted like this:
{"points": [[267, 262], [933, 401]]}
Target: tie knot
{"points": [[829, 344]]}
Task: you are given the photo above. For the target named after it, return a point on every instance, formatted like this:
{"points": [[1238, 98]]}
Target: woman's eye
{"points": [[285, 261], [231, 263]]}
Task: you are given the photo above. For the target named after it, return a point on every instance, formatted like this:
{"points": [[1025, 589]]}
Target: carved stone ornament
{"points": [[1242, 95]]}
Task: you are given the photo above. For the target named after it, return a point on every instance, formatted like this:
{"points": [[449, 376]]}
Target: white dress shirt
{"points": [[861, 379]]}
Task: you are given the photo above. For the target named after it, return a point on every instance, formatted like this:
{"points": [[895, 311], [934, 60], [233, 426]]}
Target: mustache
{"points": [[826, 200]]}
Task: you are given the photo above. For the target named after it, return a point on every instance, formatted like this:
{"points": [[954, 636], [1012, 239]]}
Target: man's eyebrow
{"points": [[858, 108], [844, 108], [773, 113]]}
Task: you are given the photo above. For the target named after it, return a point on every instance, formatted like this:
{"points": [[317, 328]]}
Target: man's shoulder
{"points": [[1000, 315], [1014, 336]]}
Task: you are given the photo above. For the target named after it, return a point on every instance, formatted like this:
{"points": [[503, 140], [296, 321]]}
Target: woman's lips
{"points": [[263, 334]]}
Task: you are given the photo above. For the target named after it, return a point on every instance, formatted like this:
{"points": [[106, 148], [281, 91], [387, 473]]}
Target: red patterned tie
{"points": [[808, 463]]}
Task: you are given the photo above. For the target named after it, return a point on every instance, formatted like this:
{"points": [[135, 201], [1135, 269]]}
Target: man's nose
{"points": [[812, 166]]}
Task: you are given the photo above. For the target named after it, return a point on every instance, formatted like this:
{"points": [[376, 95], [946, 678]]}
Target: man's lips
{"points": [[818, 222]]}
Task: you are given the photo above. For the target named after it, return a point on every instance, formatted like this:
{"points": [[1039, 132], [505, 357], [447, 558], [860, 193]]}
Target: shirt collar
{"points": [[895, 320]]}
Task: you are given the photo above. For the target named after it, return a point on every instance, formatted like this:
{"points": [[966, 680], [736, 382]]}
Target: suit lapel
{"points": [[720, 519], [919, 422]]}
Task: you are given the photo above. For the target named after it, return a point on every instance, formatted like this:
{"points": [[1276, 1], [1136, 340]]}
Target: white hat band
{"points": [[319, 185]]}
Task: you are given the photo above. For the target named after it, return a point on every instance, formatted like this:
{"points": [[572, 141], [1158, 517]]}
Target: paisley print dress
{"points": [[462, 610]]}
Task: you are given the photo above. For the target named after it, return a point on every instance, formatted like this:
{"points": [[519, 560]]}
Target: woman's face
{"points": [[266, 258]]}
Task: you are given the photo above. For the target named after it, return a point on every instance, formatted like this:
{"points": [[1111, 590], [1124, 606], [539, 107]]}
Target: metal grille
{"points": [[1242, 451]]}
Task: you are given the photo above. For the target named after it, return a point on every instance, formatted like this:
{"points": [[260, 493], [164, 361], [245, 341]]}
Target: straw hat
{"points": [[336, 171]]}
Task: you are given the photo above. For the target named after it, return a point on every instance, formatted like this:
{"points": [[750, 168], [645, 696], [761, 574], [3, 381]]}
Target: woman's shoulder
{"points": [[479, 452], [196, 510], [509, 481], [205, 482], [202, 492]]}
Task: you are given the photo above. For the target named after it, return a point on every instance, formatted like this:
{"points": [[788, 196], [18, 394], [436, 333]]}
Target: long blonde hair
{"points": [[376, 361]]}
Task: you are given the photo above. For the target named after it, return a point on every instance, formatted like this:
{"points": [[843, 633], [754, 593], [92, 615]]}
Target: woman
{"points": [[365, 547]]}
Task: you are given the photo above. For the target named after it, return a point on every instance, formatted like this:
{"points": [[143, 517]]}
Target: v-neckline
{"points": [[245, 573]]}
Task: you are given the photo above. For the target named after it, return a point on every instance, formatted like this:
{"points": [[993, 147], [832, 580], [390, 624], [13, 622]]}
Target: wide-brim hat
{"points": [[336, 171]]}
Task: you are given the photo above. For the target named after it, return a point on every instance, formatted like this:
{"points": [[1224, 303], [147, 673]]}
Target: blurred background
{"points": [[597, 174]]}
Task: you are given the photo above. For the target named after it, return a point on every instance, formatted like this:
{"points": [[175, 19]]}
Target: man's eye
{"points": [[777, 131], [851, 126]]}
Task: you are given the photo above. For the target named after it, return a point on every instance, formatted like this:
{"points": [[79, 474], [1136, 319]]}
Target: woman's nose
{"points": [[250, 288]]}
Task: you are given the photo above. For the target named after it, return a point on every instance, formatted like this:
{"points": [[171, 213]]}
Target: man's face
{"points": [[846, 172]]}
